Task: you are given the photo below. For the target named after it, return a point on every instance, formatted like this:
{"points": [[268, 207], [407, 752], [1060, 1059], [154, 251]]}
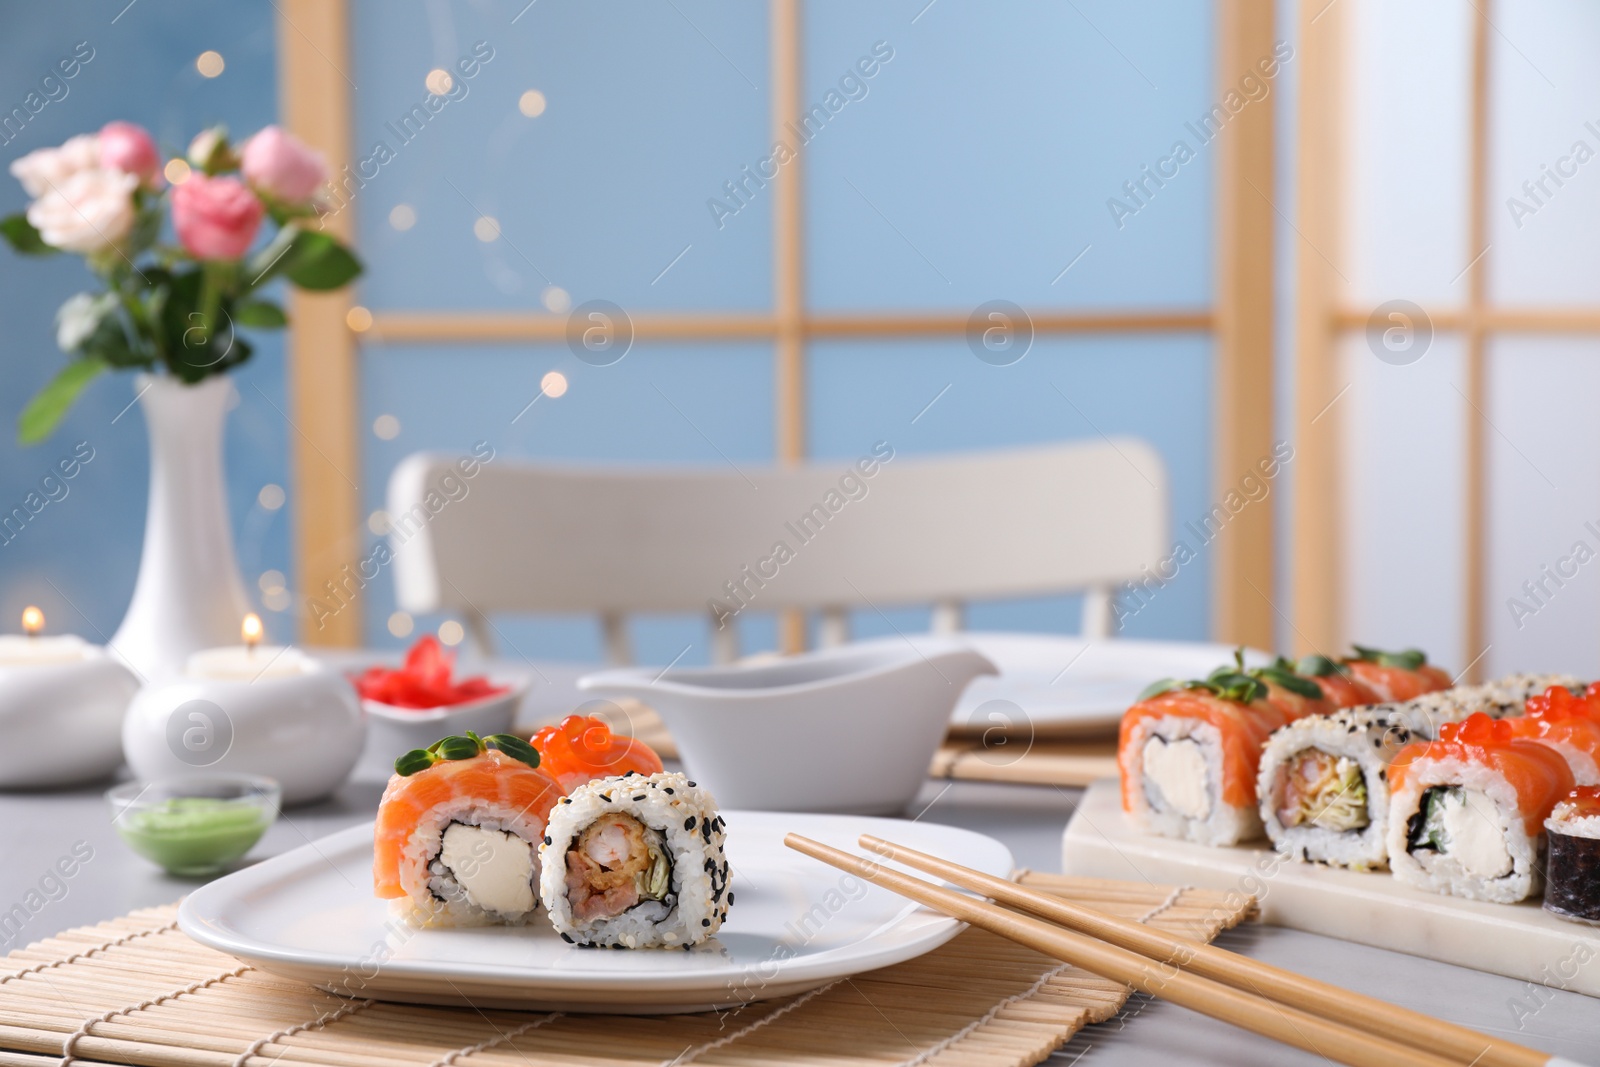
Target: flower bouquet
{"points": [[173, 307]]}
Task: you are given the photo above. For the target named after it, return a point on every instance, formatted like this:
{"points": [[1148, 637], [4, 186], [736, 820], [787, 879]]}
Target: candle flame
{"points": [[251, 630], [32, 620]]}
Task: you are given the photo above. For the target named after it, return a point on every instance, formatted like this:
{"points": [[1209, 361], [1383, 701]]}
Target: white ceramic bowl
{"points": [[392, 732], [850, 729], [305, 730]]}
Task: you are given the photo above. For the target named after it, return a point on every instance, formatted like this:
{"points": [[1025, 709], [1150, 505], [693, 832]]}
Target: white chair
{"points": [[885, 529]]}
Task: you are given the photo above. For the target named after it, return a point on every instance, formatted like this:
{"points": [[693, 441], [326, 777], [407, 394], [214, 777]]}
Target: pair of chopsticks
{"points": [[1332, 1022]]}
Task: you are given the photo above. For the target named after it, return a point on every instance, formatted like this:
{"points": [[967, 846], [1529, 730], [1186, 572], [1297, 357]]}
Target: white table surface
{"points": [[38, 828]]}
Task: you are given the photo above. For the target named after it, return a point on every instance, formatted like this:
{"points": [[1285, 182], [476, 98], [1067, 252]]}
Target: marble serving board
{"points": [[1516, 940]]}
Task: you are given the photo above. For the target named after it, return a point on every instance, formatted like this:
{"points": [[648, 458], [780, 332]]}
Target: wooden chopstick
{"points": [[1292, 1026], [1286, 987]]}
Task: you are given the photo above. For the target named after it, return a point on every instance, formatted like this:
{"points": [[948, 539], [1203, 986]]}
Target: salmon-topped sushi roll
{"points": [[1396, 676], [1187, 754], [1468, 811], [458, 832]]}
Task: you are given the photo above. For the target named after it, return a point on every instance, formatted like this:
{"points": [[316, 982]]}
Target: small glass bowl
{"points": [[194, 826]]}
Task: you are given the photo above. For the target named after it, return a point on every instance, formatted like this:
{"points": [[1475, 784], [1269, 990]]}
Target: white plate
{"points": [[1070, 684], [796, 924]]}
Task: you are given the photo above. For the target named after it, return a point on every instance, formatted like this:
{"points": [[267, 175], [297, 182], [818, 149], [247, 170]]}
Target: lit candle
{"points": [[30, 647], [249, 662]]}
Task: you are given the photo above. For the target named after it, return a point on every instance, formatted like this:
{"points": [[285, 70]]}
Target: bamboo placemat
{"points": [[137, 991], [965, 755]]}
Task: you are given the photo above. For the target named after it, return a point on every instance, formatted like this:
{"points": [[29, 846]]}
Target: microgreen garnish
{"points": [[1410, 659], [458, 748], [1225, 682]]}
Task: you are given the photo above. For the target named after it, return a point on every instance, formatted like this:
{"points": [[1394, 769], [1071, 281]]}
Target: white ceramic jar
{"points": [[296, 722]]}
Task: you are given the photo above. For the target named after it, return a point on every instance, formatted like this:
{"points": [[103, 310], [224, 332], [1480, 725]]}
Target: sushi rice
{"points": [[666, 814]]}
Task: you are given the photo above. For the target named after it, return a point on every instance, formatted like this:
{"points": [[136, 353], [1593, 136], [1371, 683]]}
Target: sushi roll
{"points": [[1572, 883], [458, 830], [583, 748], [636, 862], [1467, 813], [1395, 676], [1323, 782], [1187, 753]]}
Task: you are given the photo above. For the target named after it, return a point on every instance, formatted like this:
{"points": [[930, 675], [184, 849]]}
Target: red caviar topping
{"points": [[582, 748], [1478, 729], [1560, 703]]}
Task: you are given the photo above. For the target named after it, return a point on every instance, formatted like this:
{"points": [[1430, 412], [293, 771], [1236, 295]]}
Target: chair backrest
{"points": [[479, 536]]}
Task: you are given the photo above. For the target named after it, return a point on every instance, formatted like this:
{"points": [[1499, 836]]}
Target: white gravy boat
{"points": [[848, 729]]}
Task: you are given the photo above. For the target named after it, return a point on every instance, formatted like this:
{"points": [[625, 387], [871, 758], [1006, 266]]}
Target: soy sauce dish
{"points": [[849, 729]]}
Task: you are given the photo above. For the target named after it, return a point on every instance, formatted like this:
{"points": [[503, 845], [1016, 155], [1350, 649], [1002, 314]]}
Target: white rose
{"points": [[88, 212], [44, 168]]}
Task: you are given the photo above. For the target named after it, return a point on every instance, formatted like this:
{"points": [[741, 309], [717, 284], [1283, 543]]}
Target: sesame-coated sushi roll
{"points": [[458, 831], [636, 862], [1468, 811]]}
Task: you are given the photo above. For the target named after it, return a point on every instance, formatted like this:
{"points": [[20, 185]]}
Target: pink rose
{"points": [[216, 218], [130, 149], [282, 166]]}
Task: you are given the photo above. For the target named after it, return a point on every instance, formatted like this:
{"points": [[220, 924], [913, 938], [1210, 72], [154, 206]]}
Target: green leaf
{"points": [[454, 748], [260, 315], [1317, 665], [1162, 685], [1292, 682], [417, 759], [330, 267], [1410, 659], [515, 747], [23, 237], [1234, 685], [45, 411]]}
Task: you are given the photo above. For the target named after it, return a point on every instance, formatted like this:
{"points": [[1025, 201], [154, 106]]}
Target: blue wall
{"points": [[974, 164]]}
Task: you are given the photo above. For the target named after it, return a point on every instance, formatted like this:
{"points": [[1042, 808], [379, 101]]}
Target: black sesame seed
{"points": [[688, 824], [668, 788], [566, 800], [566, 937], [691, 785], [640, 797], [705, 922], [688, 948], [547, 839], [730, 899]]}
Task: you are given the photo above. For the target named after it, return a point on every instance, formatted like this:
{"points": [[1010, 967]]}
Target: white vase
{"points": [[189, 594]]}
